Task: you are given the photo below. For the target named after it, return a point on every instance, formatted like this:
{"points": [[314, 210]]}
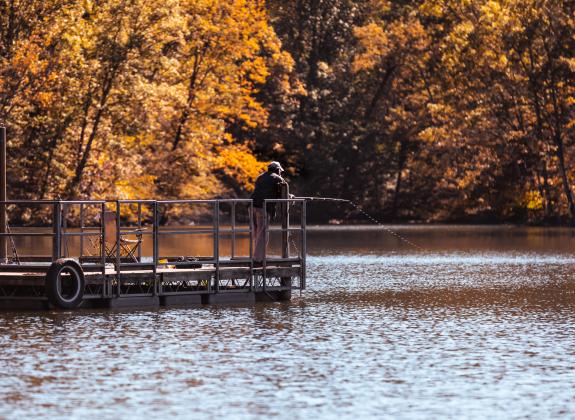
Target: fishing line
{"points": [[15, 256], [373, 219]]}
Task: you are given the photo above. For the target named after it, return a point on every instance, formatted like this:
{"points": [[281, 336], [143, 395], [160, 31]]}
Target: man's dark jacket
{"points": [[268, 187]]}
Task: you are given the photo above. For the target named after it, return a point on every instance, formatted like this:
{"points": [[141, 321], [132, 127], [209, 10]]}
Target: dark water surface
{"points": [[479, 325]]}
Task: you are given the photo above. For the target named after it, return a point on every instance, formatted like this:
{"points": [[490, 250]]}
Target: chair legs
{"points": [[126, 251], [130, 252]]}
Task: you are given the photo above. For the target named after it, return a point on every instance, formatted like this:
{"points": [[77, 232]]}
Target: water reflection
{"points": [[481, 329]]}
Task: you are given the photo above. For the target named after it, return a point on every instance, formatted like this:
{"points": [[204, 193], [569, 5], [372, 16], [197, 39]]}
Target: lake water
{"points": [[480, 324]]}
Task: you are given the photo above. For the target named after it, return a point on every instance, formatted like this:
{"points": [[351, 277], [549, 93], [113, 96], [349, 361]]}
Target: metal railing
{"points": [[285, 206], [149, 224]]}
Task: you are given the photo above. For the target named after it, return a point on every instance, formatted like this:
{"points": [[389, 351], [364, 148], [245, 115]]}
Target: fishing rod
{"points": [[373, 219], [323, 199]]}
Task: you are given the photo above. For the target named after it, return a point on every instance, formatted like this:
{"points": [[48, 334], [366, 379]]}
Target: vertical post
{"points": [[155, 247], [81, 231], [3, 194], [217, 243], [118, 254], [233, 229], [303, 244], [65, 229], [57, 231], [140, 229], [105, 287], [284, 213], [265, 260], [251, 224]]}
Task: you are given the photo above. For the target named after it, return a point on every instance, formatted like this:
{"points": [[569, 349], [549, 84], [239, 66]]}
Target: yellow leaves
{"points": [[258, 71], [533, 200], [200, 187], [458, 40], [382, 6], [221, 60], [496, 17], [374, 44], [439, 112], [433, 134], [27, 59], [379, 42], [44, 98], [491, 10], [463, 30], [570, 62], [130, 141], [432, 8], [246, 118], [239, 163], [136, 187]]}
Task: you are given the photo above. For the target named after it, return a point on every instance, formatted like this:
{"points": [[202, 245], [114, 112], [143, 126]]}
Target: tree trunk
{"points": [[191, 96], [558, 114], [550, 210], [565, 179], [52, 148], [400, 167], [79, 172], [534, 89], [381, 89]]}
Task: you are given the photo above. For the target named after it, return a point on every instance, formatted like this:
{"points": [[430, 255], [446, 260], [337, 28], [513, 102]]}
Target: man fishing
{"points": [[268, 187]]}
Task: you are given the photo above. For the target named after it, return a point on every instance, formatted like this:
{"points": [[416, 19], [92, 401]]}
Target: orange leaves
{"points": [[375, 44], [135, 187], [126, 99], [222, 54], [239, 163], [379, 42]]}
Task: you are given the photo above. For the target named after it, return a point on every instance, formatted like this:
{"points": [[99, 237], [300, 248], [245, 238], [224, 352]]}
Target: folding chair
{"points": [[128, 247]]}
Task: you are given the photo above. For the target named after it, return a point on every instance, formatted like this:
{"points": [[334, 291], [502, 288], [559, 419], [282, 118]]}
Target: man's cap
{"points": [[275, 166]]}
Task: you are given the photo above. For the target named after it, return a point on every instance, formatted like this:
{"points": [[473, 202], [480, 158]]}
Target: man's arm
{"points": [[281, 182]]}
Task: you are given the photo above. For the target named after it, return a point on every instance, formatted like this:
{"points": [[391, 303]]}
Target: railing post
{"points": [[105, 287], [140, 228], [65, 208], [284, 208], [3, 194], [155, 256], [303, 244], [216, 221], [118, 254], [57, 231], [284, 213], [265, 238], [251, 224], [233, 229], [81, 231]]}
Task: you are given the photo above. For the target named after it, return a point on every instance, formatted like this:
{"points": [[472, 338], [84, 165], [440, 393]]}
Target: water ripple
{"points": [[456, 334]]}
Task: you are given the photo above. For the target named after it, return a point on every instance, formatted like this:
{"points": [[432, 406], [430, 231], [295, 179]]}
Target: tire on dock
{"points": [[65, 292]]}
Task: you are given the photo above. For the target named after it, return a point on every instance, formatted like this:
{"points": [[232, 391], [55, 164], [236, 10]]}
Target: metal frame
{"points": [[286, 230], [112, 276]]}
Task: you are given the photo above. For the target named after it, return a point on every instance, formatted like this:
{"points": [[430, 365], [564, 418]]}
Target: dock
{"points": [[131, 253]]}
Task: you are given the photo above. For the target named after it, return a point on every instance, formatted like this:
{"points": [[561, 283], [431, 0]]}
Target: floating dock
{"points": [[131, 253]]}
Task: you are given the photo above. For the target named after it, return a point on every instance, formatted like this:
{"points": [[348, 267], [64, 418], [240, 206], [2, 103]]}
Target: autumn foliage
{"points": [[431, 110]]}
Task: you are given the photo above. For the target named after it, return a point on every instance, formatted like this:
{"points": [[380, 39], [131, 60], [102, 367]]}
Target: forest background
{"points": [[428, 110]]}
